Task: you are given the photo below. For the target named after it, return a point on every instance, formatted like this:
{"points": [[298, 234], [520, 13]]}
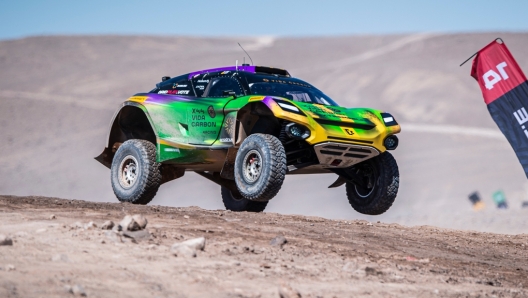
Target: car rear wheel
{"points": [[260, 167], [135, 174], [234, 201], [380, 181]]}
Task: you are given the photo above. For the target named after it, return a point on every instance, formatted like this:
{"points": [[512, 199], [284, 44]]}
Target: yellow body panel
{"points": [[320, 133]]}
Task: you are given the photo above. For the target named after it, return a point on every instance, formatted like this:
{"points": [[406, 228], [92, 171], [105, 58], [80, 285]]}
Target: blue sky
{"points": [[20, 18]]}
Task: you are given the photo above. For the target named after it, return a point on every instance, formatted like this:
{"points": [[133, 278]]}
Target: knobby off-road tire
{"points": [[260, 167], [385, 180], [237, 202], [135, 174]]}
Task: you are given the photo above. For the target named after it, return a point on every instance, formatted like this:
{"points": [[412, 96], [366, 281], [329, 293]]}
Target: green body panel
{"points": [[188, 128], [183, 126]]}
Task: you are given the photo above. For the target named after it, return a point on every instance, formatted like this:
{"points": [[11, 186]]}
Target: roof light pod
{"points": [[297, 131]]}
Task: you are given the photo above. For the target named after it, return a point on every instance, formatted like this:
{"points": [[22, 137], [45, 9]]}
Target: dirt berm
{"points": [[56, 253]]}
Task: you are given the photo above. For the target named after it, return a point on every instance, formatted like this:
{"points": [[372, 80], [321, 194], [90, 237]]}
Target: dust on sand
{"points": [[55, 252]]}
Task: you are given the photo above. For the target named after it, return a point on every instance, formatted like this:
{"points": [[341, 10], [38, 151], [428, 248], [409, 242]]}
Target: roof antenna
{"points": [[246, 53]]}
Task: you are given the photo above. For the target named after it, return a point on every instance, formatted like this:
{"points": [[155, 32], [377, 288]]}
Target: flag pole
{"points": [[498, 38]]}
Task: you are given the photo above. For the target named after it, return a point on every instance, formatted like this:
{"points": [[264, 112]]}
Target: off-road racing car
{"points": [[245, 128]]}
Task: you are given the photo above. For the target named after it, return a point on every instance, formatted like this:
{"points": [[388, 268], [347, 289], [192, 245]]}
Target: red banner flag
{"points": [[496, 71], [505, 92]]}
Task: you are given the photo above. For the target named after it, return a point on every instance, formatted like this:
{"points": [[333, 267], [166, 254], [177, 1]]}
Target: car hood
{"points": [[333, 115]]}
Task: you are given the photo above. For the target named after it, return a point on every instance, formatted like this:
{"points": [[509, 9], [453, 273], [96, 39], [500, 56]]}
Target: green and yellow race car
{"points": [[245, 128]]}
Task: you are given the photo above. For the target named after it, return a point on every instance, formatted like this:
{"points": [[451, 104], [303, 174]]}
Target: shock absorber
{"points": [[283, 137]]}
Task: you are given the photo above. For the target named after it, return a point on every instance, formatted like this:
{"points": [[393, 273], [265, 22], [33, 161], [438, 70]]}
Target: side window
{"points": [[200, 83], [180, 87], [217, 87]]}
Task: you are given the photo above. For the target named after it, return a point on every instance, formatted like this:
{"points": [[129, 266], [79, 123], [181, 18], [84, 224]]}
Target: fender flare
{"points": [[248, 116], [246, 120], [116, 134]]}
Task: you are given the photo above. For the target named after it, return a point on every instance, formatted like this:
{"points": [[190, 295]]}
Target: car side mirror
{"points": [[229, 93]]}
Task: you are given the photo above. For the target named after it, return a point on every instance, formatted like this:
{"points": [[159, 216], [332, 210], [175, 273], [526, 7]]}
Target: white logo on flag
{"points": [[522, 117], [491, 77]]}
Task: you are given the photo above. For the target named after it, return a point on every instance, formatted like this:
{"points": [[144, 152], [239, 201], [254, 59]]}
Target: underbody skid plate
{"points": [[340, 155]]}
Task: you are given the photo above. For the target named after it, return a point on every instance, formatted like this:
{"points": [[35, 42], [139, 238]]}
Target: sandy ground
{"points": [[322, 258]]}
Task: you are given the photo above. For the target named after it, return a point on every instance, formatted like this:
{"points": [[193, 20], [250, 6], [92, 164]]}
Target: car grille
{"points": [[340, 155], [350, 140], [345, 124]]}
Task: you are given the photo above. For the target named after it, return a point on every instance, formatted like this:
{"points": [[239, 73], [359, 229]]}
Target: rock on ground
{"points": [[286, 291], [114, 236], [141, 221], [78, 290], [189, 247], [128, 224], [183, 251], [278, 241], [137, 235], [4, 240], [107, 225], [132, 223]]}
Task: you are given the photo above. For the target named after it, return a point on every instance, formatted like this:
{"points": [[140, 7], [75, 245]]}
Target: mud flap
{"points": [[169, 173], [340, 181], [105, 158], [228, 170], [347, 175]]}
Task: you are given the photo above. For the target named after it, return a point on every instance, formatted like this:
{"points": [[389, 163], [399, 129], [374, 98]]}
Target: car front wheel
{"points": [[260, 167]]}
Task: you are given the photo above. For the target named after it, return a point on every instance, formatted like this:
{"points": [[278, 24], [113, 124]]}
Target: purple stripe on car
{"points": [[154, 98]]}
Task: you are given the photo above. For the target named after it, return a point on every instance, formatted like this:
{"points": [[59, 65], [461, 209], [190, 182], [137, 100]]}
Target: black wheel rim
{"points": [[369, 177]]}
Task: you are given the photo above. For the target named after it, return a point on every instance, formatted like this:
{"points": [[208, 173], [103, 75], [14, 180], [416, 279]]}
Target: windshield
{"points": [[304, 93]]}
